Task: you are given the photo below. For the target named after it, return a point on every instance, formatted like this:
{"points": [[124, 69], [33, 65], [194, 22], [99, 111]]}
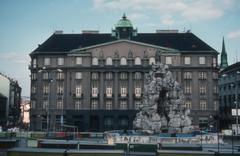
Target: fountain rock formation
{"points": [[163, 107]]}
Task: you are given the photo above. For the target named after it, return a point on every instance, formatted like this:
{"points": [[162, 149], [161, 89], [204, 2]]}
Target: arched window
{"points": [[137, 61], [94, 61], [123, 61], [152, 61], [109, 61]]}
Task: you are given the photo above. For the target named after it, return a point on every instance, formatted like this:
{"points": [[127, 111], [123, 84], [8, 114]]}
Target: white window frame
{"points": [[123, 61], [34, 62], [78, 104], [123, 91], [138, 91], [187, 75], [45, 104], [203, 104], [78, 60], [60, 75], [123, 75], [123, 104], [94, 104], [60, 61], [109, 76], [108, 104], [45, 89], [152, 60], [202, 89], [168, 60], [214, 62], [45, 75], [188, 89], [60, 89], [78, 91], [137, 75], [78, 75], [59, 104], [109, 61], [33, 89], [202, 60], [47, 61], [94, 61], [187, 60], [188, 104], [137, 61], [109, 91]]}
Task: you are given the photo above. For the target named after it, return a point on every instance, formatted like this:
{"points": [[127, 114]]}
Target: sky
{"points": [[26, 23]]}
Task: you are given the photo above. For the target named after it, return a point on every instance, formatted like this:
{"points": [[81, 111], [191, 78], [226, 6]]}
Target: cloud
{"points": [[234, 34], [137, 16], [188, 9], [167, 20], [14, 57]]}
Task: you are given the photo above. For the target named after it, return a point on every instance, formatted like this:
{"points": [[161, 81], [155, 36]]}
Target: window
{"points": [[202, 60], [187, 75], [94, 76], [202, 75], [123, 76], [215, 89], [108, 122], [203, 104], [202, 89], [109, 61], [187, 60], [137, 61], [123, 61], [137, 76], [33, 89], [59, 104], [94, 61], [33, 104], [109, 91], [45, 104], [94, 89], [78, 104], [188, 88], [78, 75], [78, 90], [34, 76], [152, 61], [34, 63], [46, 61], [109, 76], [123, 104], [45, 89], [45, 76], [60, 61], [214, 62], [138, 89], [78, 60], [60, 76], [188, 104], [123, 89], [94, 104], [60, 89], [137, 104], [168, 59], [109, 104], [215, 104], [215, 75]]}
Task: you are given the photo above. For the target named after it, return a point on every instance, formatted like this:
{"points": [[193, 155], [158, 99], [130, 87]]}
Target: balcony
{"points": [[77, 95]]}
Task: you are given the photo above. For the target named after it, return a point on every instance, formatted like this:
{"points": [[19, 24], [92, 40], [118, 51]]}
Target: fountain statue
{"points": [[163, 107]]}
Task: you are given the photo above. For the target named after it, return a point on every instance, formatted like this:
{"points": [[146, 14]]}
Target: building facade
{"points": [[95, 81], [229, 95], [10, 98]]}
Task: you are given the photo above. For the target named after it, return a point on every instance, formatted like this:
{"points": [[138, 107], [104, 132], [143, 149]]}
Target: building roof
{"points": [[233, 67], [59, 43]]}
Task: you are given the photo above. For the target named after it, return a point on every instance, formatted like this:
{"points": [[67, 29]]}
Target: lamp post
{"points": [[50, 77]]}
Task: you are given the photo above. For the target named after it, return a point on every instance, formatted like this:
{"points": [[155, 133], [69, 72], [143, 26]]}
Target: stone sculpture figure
{"points": [[163, 103]]}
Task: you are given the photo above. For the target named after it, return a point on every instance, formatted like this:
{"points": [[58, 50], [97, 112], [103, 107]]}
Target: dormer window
{"points": [[137, 61], [109, 61], [94, 61], [123, 61]]}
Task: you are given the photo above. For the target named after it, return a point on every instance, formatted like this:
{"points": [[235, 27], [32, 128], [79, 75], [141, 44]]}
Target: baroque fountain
{"points": [[163, 112], [163, 107]]}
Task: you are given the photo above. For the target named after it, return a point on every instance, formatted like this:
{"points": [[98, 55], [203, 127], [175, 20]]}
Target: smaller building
{"points": [[229, 95], [10, 99]]}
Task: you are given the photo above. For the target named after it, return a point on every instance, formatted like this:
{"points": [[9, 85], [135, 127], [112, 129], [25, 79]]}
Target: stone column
{"points": [[115, 90], [102, 91], [130, 90]]}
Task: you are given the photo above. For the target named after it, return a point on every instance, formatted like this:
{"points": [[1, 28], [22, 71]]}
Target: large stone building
{"points": [[95, 81], [10, 99]]}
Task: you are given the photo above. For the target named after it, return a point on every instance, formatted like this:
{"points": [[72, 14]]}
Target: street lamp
{"points": [[50, 77]]}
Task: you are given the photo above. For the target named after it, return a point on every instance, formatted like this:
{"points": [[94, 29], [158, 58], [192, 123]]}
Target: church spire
{"points": [[224, 62]]}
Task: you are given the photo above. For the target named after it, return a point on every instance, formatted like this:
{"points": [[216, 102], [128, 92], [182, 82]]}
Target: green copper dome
{"points": [[124, 22]]}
